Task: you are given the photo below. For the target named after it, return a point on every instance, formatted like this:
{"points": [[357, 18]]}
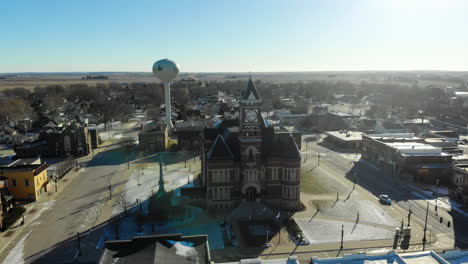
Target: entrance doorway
{"points": [[251, 194]]}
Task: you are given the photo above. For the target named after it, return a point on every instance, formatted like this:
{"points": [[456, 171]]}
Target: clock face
{"points": [[251, 116]]}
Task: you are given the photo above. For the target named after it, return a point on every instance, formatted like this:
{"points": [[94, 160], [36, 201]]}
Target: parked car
{"points": [[384, 199]]}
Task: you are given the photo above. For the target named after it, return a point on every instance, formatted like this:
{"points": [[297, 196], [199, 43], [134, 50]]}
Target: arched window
{"points": [[251, 155]]}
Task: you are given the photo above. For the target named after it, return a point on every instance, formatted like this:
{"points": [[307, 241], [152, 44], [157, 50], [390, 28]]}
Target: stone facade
{"points": [[154, 138], [72, 140], [245, 160]]}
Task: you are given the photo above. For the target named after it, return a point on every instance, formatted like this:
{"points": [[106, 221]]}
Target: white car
{"points": [[384, 198]]}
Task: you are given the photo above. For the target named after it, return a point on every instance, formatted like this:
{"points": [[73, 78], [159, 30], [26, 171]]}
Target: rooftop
{"points": [[415, 148], [170, 248], [289, 260], [346, 135], [393, 136], [23, 162]]}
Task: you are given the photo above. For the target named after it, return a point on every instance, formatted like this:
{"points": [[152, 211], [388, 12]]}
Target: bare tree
{"points": [[123, 204], [127, 144], [14, 109]]}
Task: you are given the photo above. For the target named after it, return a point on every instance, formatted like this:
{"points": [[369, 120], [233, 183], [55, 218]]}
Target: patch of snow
{"points": [[320, 231], [440, 203], [379, 251], [15, 256], [440, 190], [45, 206]]}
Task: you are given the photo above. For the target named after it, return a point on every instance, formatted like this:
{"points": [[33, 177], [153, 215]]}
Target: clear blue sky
{"points": [[237, 35]]}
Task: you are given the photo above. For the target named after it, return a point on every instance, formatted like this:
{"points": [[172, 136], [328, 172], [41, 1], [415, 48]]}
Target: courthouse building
{"points": [[244, 159]]}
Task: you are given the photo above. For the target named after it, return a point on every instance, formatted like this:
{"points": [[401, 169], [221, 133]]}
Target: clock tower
{"points": [[250, 115], [250, 137]]}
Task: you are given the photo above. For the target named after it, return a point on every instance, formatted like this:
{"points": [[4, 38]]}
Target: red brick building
{"points": [[245, 160]]}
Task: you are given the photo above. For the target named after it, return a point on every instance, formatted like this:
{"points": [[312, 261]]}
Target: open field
{"points": [[30, 80]]}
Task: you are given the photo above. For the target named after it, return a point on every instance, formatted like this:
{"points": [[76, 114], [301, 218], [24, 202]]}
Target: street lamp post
{"points": [[342, 234], [318, 158], [354, 183], [305, 158], [425, 228], [110, 192], [409, 215]]}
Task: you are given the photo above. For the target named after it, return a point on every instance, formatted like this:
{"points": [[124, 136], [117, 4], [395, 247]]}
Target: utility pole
{"points": [[436, 194], [425, 227], [318, 158]]}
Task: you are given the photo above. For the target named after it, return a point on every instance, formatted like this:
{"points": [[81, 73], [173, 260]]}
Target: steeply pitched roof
{"points": [[284, 146], [251, 92], [220, 150]]}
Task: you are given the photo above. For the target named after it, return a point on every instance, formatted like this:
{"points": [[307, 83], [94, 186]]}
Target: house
{"points": [[6, 201], [189, 134], [27, 178], [71, 140], [7, 134], [154, 137], [403, 154], [244, 159]]}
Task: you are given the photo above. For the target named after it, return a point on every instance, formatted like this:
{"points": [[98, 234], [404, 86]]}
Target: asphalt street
{"points": [[403, 195], [75, 209]]}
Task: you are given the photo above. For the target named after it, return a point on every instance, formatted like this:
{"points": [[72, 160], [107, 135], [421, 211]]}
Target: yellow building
{"points": [[27, 178]]}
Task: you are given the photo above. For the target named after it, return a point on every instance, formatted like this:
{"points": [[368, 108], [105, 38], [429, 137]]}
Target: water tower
{"points": [[166, 71]]}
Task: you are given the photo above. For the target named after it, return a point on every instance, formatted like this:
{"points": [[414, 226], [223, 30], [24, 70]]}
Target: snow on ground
{"points": [[368, 212], [433, 201], [440, 190], [45, 206], [378, 251], [15, 256], [320, 231], [140, 186]]}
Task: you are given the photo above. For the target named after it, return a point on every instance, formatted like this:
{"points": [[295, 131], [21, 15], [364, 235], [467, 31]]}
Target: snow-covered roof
{"points": [[415, 148]]}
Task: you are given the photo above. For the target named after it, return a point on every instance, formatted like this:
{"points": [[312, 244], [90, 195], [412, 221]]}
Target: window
{"points": [[251, 156], [26, 182], [14, 182]]}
